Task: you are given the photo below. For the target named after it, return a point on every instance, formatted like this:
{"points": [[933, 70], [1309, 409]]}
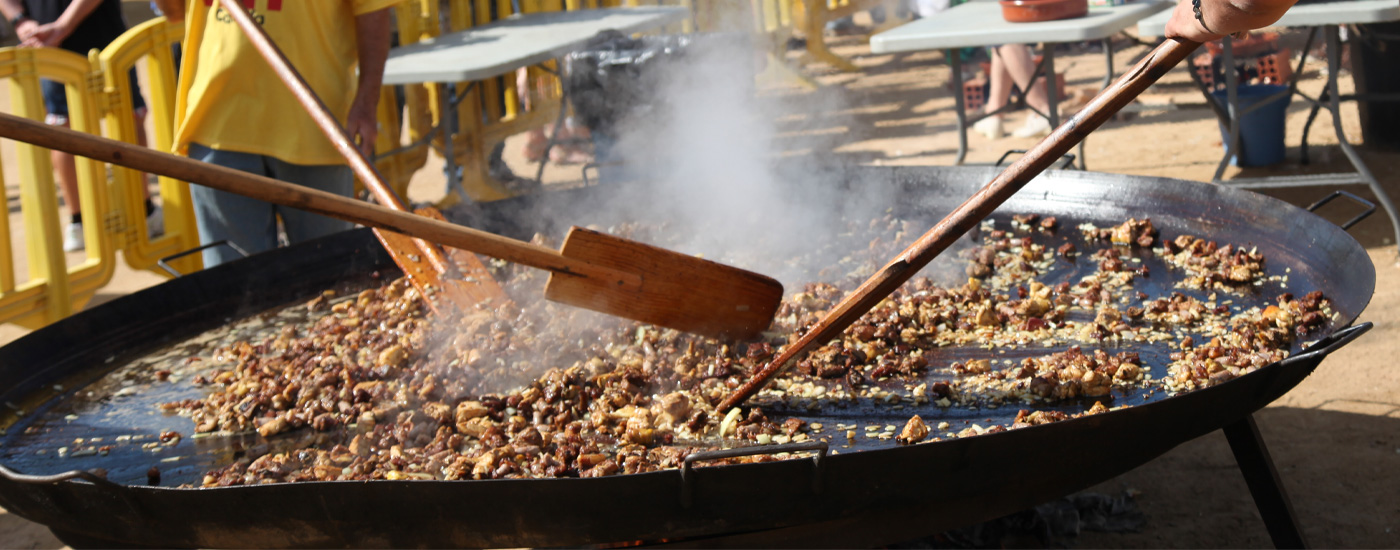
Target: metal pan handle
{"points": [[98, 480], [90, 477], [688, 470], [164, 263], [1370, 206], [1327, 345], [1066, 165]]}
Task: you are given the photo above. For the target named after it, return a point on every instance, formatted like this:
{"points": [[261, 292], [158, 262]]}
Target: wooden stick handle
{"points": [[974, 210], [296, 196]]}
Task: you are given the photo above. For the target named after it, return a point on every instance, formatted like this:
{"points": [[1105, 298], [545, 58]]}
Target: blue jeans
{"points": [[252, 224], [56, 96]]}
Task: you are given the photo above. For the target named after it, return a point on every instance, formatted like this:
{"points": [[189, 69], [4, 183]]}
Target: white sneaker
{"points": [[990, 127], [73, 237], [155, 222], [1036, 126]]}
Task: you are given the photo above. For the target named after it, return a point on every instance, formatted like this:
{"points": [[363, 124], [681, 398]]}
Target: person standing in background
{"points": [[232, 110], [77, 26]]}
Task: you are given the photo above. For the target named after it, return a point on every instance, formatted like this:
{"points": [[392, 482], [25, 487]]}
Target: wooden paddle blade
{"points": [[444, 293], [677, 291], [476, 281]]}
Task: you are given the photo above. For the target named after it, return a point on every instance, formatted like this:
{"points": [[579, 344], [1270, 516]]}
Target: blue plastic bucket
{"points": [[1261, 130]]}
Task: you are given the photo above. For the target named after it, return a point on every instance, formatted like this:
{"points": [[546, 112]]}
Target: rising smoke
{"points": [[705, 155]]}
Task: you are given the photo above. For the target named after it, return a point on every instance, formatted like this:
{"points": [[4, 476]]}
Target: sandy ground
{"points": [[1333, 438]]}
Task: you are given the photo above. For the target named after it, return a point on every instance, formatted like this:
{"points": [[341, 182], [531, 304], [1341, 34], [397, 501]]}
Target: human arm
{"points": [[53, 34], [14, 9], [174, 10], [372, 47], [1223, 17]]}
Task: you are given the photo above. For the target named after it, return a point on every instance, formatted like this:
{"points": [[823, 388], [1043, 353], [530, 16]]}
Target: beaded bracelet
{"points": [[1196, 8]]}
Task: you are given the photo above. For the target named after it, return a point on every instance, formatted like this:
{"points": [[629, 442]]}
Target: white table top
{"points": [[1306, 15], [979, 23], [503, 46]]}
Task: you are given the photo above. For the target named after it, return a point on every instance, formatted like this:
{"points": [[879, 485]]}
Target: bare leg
{"points": [[998, 85], [998, 92], [66, 169], [140, 116], [1020, 65], [535, 139], [66, 172]]}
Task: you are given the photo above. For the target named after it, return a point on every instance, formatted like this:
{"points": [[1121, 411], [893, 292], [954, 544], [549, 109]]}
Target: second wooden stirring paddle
{"points": [[973, 211]]}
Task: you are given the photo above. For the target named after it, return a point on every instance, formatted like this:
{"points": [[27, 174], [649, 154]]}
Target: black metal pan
{"points": [[837, 498]]}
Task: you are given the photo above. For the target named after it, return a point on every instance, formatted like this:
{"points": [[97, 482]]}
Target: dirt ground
{"points": [[1333, 438]]}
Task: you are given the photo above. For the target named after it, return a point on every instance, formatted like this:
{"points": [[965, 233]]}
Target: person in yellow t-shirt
{"points": [[232, 110]]}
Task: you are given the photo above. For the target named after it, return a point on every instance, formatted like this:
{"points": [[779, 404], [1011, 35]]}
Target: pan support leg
{"points": [[1264, 484]]}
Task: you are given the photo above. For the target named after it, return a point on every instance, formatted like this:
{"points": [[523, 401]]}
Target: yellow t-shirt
{"points": [[230, 99]]}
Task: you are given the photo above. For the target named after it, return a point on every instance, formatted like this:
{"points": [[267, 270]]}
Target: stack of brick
{"points": [[1258, 59]]}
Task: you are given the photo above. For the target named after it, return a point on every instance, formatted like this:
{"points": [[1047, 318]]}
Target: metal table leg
{"points": [[1232, 107], [1051, 93], [1303, 157], [1334, 66], [1316, 103], [1330, 99], [955, 64], [1264, 484], [1107, 81], [449, 128]]}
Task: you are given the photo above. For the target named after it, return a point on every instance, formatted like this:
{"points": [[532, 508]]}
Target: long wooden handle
{"points": [[296, 196], [974, 210]]}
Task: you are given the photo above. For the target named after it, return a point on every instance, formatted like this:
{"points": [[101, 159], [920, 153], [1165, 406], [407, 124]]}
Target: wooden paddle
{"points": [[973, 211], [595, 270], [677, 287]]}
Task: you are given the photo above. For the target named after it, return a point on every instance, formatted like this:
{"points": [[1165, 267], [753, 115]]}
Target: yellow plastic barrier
{"points": [[487, 112], [401, 158], [152, 41], [777, 21], [811, 16], [53, 289], [113, 209]]}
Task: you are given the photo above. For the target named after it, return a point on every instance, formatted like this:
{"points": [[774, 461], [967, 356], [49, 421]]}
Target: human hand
{"points": [[50, 35], [25, 29], [1183, 24], [363, 125]]}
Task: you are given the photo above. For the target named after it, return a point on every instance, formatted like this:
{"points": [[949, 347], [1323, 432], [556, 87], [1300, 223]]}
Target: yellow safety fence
{"points": [[113, 208], [811, 16], [99, 98], [488, 111], [778, 21]]}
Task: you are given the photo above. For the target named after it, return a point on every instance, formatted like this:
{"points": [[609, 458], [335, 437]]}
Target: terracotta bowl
{"points": [[1030, 11]]}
